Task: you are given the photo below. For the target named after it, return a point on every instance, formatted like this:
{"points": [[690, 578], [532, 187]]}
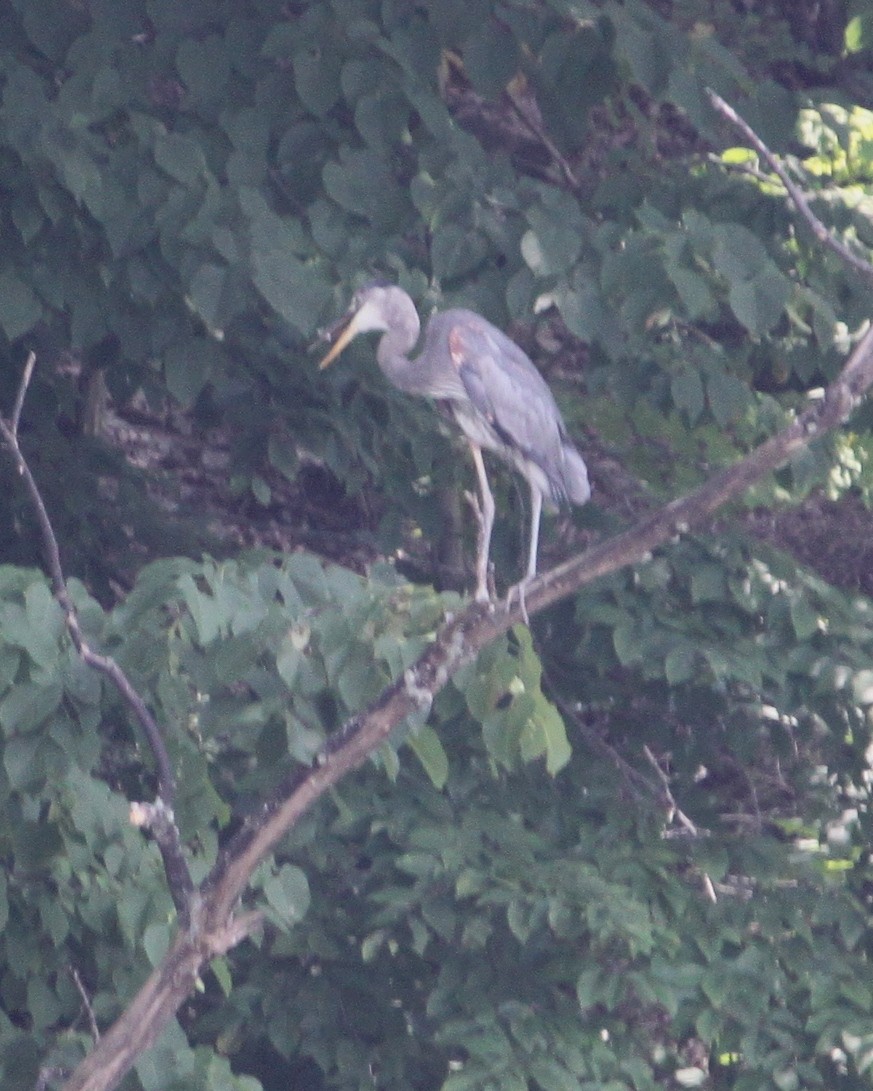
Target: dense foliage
{"points": [[631, 851]]}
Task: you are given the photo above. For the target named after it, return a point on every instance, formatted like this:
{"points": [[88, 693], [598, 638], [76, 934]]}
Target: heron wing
{"points": [[510, 395]]}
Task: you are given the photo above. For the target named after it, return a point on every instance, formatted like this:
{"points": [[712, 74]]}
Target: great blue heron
{"points": [[491, 390]]}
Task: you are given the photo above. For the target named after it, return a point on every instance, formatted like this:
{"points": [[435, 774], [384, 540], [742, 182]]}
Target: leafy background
{"points": [[508, 897]]}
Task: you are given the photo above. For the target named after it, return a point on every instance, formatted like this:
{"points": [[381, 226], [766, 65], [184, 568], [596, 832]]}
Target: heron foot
{"points": [[519, 589]]}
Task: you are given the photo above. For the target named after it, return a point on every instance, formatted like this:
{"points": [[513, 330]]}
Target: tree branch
{"points": [[859, 264], [166, 833]]}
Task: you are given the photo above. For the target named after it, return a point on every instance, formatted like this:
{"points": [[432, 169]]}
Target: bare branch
{"points": [[166, 834], [639, 785], [860, 265], [86, 1004], [527, 114], [673, 809], [22, 391], [49, 1075]]}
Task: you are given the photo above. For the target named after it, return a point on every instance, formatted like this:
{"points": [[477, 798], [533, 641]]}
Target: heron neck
{"points": [[392, 357]]}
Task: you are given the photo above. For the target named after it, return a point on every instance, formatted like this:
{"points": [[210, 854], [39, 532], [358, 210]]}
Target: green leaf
{"points": [[205, 293], [557, 231], [583, 310], [804, 618], [692, 290], [20, 310], [708, 584], [759, 303], [626, 641], [181, 157], [491, 58], [545, 733], [317, 79], [456, 251], [362, 183], [294, 290], [680, 664], [205, 66], [858, 34], [156, 941], [426, 745], [287, 893], [686, 389], [29, 704], [728, 396], [738, 254], [188, 367]]}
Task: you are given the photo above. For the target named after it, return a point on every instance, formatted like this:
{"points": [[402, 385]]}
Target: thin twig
{"points": [[22, 390], [49, 1075], [638, 784], [167, 836], [824, 236], [86, 1004], [674, 810], [537, 130]]}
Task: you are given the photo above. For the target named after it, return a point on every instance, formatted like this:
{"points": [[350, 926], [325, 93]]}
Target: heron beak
{"points": [[345, 330]]}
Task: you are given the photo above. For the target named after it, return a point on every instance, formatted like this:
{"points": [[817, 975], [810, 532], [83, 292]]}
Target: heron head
{"points": [[374, 307]]}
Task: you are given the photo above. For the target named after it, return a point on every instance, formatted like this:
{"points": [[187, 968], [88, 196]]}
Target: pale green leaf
{"points": [[426, 745], [287, 893]]}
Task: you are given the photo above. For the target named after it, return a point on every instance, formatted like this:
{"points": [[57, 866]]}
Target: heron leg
{"points": [[536, 511], [486, 525]]}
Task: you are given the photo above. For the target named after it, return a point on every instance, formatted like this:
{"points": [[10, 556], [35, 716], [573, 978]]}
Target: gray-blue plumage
{"points": [[488, 386]]}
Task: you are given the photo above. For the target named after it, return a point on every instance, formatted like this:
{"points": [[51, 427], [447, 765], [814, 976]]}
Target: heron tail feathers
{"points": [[576, 483]]}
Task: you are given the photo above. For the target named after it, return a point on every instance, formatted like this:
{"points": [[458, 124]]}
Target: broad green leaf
{"points": [[317, 79], [456, 251], [20, 309], [738, 254], [708, 584], [204, 64], [584, 311], [687, 391], [804, 618], [156, 941], [728, 397], [361, 183], [188, 367], [181, 157], [205, 293], [681, 664], [545, 734], [693, 290], [295, 291], [287, 893], [491, 58], [426, 745], [29, 704], [858, 34], [759, 302]]}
